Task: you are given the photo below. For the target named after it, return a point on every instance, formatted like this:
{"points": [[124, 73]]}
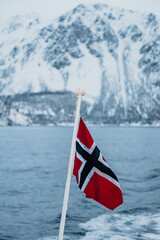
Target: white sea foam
{"points": [[122, 226], [55, 238], [49, 238], [119, 227]]}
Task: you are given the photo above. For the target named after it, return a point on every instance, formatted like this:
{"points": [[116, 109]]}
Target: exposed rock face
{"points": [[113, 54]]}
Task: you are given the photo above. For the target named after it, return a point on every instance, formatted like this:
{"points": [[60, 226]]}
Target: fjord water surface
{"points": [[33, 170]]}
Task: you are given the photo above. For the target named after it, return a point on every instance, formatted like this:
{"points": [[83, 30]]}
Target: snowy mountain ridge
{"points": [[113, 54]]}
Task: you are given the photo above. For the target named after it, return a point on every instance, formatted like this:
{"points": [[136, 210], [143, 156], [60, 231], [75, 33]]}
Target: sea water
{"points": [[33, 170]]}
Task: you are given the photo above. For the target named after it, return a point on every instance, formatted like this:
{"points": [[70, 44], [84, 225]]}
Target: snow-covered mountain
{"points": [[113, 54]]}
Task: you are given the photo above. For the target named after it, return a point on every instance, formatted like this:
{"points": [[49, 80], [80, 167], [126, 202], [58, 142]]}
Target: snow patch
{"points": [[18, 118], [85, 73]]}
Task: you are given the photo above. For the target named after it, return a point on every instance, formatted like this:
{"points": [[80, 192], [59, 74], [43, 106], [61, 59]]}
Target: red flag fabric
{"points": [[93, 174]]}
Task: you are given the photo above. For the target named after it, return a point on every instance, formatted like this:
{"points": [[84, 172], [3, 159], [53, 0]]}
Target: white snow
{"points": [[121, 72], [18, 118], [85, 73], [37, 75]]}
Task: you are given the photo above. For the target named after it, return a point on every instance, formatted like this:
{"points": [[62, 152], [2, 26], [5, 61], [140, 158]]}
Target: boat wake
{"points": [[123, 226]]}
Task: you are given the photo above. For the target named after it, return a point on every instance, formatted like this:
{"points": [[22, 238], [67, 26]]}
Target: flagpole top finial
{"points": [[79, 91]]}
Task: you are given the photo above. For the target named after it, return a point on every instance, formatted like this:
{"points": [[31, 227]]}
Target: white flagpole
{"points": [[72, 154]]}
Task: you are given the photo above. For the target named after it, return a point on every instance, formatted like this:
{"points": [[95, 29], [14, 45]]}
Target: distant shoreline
{"points": [[156, 125]]}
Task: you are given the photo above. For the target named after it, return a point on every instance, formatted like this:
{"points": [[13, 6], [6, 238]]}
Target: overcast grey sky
{"points": [[54, 8]]}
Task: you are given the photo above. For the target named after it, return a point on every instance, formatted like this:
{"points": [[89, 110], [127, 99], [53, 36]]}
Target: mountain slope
{"points": [[113, 54]]}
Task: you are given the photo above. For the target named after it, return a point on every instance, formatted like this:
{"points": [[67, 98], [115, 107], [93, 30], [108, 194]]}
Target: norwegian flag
{"points": [[93, 174]]}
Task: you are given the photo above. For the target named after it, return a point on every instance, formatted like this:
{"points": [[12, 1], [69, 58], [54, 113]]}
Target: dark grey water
{"points": [[33, 169]]}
